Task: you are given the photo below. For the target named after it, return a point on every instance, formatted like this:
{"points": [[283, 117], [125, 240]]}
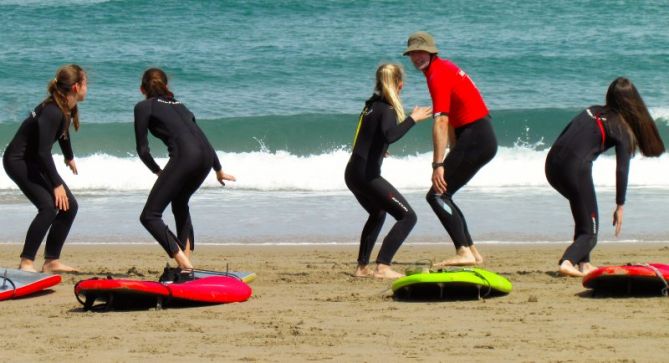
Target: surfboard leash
{"points": [[6, 279], [226, 273], [665, 290], [476, 273], [89, 303], [219, 273], [77, 295], [479, 275]]}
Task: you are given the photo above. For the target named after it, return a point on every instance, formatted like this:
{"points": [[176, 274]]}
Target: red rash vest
{"points": [[454, 93]]}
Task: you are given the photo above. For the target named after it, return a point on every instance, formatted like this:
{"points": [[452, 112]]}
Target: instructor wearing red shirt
{"points": [[463, 125]]}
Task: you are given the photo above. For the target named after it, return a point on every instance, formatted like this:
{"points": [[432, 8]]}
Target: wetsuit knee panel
{"points": [[379, 216], [48, 212], [145, 218], [490, 153], [437, 200], [411, 217], [74, 206], [431, 197]]}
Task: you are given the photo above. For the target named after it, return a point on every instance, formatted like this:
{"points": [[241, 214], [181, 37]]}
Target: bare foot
{"points": [[55, 266], [363, 271], [477, 255], [568, 269], [27, 265], [464, 257], [183, 262], [385, 272], [586, 267]]}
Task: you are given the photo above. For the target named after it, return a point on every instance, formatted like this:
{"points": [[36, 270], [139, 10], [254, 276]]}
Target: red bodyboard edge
{"points": [[31, 288], [214, 289], [632, 270]]}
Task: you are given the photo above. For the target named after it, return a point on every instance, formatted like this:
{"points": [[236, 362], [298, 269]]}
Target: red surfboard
{"points": [[16, 283], [136, 294], [630, 279]]}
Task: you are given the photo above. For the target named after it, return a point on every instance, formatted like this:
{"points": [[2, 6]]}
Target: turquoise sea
{"points": [[277, 86]]}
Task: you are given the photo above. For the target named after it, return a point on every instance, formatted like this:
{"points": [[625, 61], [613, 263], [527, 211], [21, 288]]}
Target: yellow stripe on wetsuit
{"points": [[357, 129]]}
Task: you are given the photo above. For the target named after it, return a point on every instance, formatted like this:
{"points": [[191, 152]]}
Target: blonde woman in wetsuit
{"points": [[381, 123]]}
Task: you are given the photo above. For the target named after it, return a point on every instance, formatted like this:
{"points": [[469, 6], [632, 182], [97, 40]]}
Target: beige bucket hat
{"points": [[421, 41]]}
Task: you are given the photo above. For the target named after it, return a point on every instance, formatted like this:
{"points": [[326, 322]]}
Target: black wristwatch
{"points": [[436, 165]]}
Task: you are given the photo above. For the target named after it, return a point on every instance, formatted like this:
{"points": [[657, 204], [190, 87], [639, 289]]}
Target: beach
{"points": [[307, 307], [278, 87]]}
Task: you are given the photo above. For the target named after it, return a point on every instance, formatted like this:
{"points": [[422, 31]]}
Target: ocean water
{"points": [[277, 86]]}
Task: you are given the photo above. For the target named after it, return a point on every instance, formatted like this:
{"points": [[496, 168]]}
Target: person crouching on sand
{"points": [[381, 123], [191, 159], [624, 123], [29, 163]]}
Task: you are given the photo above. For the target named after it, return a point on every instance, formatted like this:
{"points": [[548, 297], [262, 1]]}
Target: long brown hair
{"points": [[624, 99], [59, 87], [154, 83]]}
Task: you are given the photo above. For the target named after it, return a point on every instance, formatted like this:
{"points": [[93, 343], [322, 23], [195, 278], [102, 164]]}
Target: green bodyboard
{"points": [[455, 283]]}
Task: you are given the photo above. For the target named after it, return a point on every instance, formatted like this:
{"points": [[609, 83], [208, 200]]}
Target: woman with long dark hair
{"points": [[191, 159], [29, 163], [624, 123]]}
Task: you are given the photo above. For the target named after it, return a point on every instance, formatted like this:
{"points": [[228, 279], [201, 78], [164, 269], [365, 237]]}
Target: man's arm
{"points": [[451, 136], [440, 138]]}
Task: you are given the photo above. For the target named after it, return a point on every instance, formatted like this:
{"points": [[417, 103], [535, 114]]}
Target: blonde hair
{"points": [[59, 87], [388, 78]]}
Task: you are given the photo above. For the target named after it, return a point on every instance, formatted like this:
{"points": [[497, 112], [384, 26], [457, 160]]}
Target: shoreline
{"points": [[307, 307], [354, 244]]}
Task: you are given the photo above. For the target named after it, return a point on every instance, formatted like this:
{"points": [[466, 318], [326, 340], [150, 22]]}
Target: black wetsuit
{"points": [[377, 129], [569, 171], [475, 146], [191, 159], [28, 161]]}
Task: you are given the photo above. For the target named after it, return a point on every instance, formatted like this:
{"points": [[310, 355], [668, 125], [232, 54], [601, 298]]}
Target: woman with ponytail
{"points": [[624, 123], [381, 123], [29, 163], [191, 159]]}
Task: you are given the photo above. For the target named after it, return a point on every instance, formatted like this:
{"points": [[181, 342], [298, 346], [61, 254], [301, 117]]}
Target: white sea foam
{"points": [[660, 113], [282, 171]]}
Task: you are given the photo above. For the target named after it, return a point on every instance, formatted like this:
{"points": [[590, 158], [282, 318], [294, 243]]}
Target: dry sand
{"points": [[307, 307]]}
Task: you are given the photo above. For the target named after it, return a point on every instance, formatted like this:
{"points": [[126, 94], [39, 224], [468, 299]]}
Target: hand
{"points": [[72, 165], [618, 219], [421, 113], [221, 176], [438, 181], [61, 198]]}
